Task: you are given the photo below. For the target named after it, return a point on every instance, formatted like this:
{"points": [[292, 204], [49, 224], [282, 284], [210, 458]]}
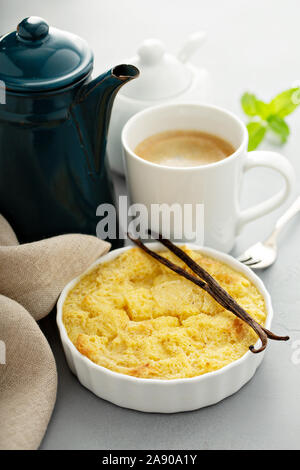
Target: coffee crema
{"points": [[184, 148]]}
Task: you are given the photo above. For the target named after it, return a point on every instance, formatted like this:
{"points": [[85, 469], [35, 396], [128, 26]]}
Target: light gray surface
{"points": [[252, 45]]}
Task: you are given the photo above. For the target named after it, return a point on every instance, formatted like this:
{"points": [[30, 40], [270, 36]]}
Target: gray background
{"points": [[252, 45]]}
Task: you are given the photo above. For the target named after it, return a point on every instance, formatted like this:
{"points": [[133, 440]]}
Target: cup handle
{"points": [[277, 162]]}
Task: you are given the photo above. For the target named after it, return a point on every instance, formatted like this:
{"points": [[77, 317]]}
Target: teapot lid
{"points": [[162, 75], [37, 57]]}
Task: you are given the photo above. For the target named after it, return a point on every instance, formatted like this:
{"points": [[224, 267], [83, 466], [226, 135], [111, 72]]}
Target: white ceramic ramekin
{"points": [[163, 396]]}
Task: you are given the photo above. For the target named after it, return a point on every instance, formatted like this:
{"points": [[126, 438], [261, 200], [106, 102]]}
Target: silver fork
{"points": [[263, 254]]}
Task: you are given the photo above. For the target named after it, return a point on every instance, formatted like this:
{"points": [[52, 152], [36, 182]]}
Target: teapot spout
{"points": [[93, 109]]}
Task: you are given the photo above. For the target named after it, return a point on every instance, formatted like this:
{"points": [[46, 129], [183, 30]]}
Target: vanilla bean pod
{"points": [[204, 275], [211, 286]]}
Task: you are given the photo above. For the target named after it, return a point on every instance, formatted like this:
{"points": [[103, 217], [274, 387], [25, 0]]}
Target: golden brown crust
{"points": [[134, 316]]}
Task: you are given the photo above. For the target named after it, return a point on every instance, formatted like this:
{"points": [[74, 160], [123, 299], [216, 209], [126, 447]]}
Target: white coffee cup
{"points": [[216, 185]]}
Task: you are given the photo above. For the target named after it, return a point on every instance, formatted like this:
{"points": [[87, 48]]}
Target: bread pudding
{"points": [[135, 316]]}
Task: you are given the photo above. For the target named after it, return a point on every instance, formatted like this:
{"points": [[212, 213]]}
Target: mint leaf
{"points": [[279, 126], [269, 116], [248, 102], [254, 107], [256, 131], [285, 103]]}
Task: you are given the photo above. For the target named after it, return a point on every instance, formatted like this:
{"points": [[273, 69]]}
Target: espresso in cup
{"points": [[184, 148]]}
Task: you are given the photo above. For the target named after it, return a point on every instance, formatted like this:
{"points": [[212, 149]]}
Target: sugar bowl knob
{"points": [[151, 51]]}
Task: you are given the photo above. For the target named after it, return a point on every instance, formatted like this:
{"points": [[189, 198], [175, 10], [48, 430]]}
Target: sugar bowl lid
{"points": [[163, 75], [37, 57]]}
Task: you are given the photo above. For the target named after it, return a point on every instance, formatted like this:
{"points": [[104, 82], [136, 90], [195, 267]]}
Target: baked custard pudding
{"points": [[135, 316]]}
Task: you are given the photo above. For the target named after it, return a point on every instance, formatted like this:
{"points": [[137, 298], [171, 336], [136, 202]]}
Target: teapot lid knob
{"points": [[39, 57], [151, 51], [32, 28]]}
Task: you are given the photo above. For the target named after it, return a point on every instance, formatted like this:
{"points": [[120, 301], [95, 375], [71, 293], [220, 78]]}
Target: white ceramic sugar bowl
{"points": [[164, 78]]}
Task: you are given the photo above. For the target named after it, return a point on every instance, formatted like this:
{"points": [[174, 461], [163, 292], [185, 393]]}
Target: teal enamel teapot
{"points": [[53, 127]]}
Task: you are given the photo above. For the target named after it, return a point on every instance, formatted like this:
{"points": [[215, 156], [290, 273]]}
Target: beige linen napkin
{"points": [[31, 278]]}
